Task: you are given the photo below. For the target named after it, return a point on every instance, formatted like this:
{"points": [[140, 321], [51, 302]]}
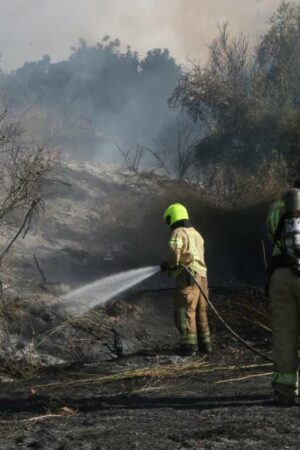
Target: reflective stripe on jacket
{"points": [[187, 247], [275, 211]]}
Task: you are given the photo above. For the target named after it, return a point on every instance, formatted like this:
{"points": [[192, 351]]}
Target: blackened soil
{"points": [[226, 405]]}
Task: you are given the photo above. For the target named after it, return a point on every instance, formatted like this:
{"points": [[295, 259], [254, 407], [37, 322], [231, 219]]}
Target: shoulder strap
{"points": [[279, 229]]}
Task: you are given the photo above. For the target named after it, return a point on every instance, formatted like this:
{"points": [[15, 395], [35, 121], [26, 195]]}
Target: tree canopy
{"points": [[245, 97]]}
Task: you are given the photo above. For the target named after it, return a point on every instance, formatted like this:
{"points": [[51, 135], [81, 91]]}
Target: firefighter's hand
{"points": [[164, 266]]}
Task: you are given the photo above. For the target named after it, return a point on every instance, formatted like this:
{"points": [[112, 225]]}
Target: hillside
{"points": [[92, 225], [101, 219]]}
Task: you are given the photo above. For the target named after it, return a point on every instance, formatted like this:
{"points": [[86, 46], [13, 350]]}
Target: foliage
{"points": [[247, 99]]}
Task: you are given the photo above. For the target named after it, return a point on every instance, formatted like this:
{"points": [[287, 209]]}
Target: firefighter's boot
{"points": [[283, 395], [205, 347], [188, 350]]}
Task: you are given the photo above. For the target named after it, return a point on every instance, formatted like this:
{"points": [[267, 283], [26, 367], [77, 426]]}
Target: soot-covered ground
{"points": [[151, 398]]}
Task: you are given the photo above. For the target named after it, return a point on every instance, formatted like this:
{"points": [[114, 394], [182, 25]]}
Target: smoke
{"points": [[33, 28], [194, 23], [99, 102], [123, 99]]}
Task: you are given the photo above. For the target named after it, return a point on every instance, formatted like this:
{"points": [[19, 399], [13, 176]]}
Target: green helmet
{"points": [[174, 213]]}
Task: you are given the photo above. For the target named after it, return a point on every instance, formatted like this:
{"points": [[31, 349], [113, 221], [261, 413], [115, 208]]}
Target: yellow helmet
{"points": [[174, 213]]}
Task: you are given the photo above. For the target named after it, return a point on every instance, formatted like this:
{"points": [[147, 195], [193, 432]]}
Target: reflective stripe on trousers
{"points": [[288, 379], [191, 311]]}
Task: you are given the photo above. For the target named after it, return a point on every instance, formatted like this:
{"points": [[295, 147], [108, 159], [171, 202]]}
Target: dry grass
{"points": [[237, 187], [238, 309], [166, 371], [185, 369]]}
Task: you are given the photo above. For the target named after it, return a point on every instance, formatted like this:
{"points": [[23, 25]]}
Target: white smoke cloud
{"points": [[31, 28]]}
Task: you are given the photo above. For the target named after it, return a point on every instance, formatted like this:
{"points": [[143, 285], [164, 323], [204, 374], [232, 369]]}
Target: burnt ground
{"points": [[224, 402]]}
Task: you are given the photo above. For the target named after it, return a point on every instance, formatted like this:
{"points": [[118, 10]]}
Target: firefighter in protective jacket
{"points": [[186, 248], [283, 226]]}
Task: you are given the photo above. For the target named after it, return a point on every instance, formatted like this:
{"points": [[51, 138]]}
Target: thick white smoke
{"points": [[33, 28]]}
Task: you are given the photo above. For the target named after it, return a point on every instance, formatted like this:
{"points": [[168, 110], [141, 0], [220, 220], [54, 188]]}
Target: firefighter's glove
{"points": [[164, 267]]}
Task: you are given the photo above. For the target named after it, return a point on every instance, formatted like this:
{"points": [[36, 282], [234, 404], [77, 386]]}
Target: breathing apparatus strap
{"points": [[279, 230]]}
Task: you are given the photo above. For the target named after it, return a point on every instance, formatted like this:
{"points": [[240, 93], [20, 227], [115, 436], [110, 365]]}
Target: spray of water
{"points": [[103, 290]]}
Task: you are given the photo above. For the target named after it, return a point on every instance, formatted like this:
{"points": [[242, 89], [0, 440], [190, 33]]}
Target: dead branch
{"points": [[47, 416], [131, 157], [39, 269], [24, 225], [23, 172]]}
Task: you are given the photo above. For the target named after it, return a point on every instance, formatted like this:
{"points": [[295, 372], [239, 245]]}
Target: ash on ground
{"points": [[148, 397]]}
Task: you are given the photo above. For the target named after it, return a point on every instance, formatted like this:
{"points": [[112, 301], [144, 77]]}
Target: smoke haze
{"points": [[93, 93], [33, 28]]}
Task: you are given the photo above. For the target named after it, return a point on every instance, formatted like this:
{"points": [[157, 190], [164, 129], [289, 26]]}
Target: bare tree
{"points": [[23, 172], [187, 138]]}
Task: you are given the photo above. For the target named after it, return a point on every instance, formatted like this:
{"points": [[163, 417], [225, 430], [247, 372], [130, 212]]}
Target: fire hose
{"points": [[216, 312]]}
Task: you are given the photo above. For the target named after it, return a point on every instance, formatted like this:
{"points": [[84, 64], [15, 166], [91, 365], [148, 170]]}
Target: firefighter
{"points": [[186, 248], [283, 226]]}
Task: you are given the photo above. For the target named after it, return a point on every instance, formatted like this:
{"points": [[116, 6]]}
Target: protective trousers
{"points": [[191, 311], [285, 302]]}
